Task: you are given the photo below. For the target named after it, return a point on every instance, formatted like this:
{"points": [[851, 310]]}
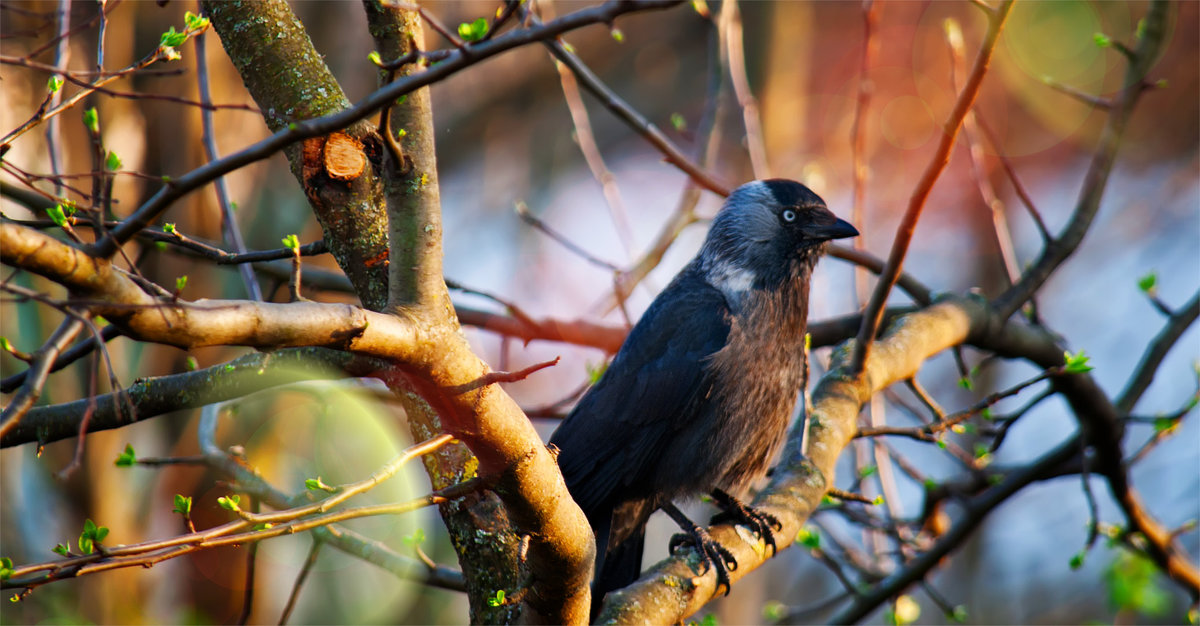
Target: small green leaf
{"points": [[229, 367], [930, 484], [57, 215], [374, 57], [229, 503], [263, 526], [291, 242], [982, 450], [183, 505], [1165, 424], [941, 443], [618, 36], [809, 538], [1148, 283], [160, 245], [679, 123], [316, 484], [6, 568], [180, 283], [191, 364], [194, 22], [1076, 363], [497, 599], [595, 372], [172, 38], [1101, 40], [1135, 584], [1162, 83], [1077, 559], [126, 458], [867, 470], [5, 345], [415, 539], [958, 615], [773, 611], [62, 550], [54, 84], [91, 119], [877, 501], [1140, 32], [169, 228], [112, 161], [965, 383], [708, 620], [473, 31], [91, 536]]}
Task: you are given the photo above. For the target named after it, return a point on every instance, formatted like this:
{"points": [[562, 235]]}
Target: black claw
{"points": [[712, 554], [735, 512]]}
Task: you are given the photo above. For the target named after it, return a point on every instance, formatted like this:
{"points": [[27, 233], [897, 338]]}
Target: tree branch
{"points": [[908, 224], [1059, 249]]}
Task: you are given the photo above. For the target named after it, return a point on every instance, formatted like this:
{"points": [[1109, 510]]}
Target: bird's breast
{"points": [[756, 378]]}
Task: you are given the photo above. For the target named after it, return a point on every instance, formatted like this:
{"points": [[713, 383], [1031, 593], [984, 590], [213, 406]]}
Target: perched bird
{"points": [[699, 397]]}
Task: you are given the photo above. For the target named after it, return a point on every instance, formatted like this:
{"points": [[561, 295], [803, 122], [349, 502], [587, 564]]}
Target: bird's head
{"points": [[767, 233]]}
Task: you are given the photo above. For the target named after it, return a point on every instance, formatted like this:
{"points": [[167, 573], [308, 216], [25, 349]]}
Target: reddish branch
{"points": [[873, 314]]}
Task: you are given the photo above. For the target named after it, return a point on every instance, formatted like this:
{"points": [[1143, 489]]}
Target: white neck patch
{"points": [[731, 280]]}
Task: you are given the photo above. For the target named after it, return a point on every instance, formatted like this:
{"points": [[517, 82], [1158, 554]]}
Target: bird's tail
{"points": [[622, 565]]}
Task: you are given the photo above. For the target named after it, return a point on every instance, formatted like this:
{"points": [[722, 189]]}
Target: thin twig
{"points": [[229, 225], [874, 312], [305, 570], [729, 25]]}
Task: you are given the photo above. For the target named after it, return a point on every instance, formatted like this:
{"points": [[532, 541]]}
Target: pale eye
{"points": [[789, 215]]}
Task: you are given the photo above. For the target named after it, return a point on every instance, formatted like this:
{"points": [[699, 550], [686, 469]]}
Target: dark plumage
{"points": [[700, 395]]}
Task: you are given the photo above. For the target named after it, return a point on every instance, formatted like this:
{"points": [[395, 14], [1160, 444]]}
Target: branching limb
{"points": [[1143, 375], [1062, 247]]}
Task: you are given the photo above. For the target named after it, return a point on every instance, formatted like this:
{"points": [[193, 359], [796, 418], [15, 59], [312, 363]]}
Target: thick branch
{"points": [[113, 294], [160, 395], [672, 590]]}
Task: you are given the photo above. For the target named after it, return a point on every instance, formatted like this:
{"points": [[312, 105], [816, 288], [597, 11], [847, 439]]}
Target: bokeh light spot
{"points": [[906, 122]]}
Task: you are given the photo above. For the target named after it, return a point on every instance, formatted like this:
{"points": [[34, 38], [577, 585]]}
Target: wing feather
{"points": [[611, 443]]}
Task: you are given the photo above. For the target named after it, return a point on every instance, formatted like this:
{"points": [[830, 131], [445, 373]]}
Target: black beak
{"points": [[837, 230]]}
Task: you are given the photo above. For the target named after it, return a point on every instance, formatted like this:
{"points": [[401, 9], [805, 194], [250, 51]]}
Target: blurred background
{"points": [[506, 135]]}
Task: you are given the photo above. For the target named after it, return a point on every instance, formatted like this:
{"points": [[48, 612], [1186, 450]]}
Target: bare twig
{"points": [[1142, 376], [729, 25], [229, 225], [904, 232], [635, 120]]}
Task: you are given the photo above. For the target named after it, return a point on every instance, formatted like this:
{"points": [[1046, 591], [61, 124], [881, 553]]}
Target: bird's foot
{"points": [[712, 554], [736, 512]]}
